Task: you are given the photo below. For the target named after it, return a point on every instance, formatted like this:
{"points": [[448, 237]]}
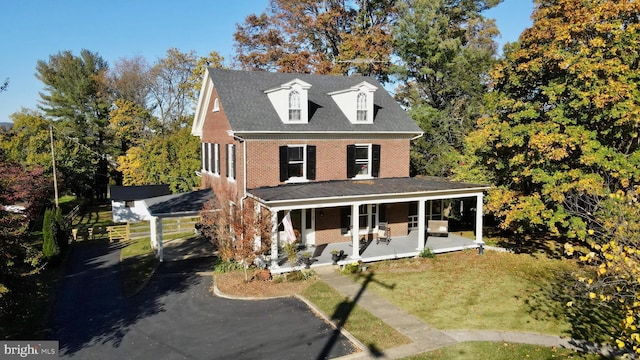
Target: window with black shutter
{"points": [[297, 162]]}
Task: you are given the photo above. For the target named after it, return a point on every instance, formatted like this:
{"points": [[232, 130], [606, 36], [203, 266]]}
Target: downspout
{"points": [[417, 137]]}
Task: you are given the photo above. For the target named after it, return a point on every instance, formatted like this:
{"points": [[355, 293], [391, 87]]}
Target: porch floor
{"points": [[398, 247]]}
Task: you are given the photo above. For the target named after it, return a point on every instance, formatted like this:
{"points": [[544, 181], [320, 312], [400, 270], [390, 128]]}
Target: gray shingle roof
{"points": [[355, 188], [241, 94], [137, 192], [190, 203]]}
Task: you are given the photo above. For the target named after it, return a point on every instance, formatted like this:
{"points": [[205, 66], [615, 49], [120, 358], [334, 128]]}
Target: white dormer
{"points": [[356, 102], [291, 101]]}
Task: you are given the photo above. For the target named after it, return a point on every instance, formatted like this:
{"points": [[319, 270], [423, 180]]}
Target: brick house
{"points": [[331, 151]]}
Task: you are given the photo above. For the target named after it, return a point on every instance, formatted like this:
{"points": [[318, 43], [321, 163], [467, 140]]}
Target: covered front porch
{"points": [[399, 247], [328, 213]]}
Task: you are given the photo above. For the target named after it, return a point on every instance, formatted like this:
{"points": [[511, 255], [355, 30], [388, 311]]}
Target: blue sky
{"points": [[33, 30]]}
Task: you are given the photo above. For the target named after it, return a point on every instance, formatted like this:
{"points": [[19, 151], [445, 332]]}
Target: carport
{"points": [[171, 206]]}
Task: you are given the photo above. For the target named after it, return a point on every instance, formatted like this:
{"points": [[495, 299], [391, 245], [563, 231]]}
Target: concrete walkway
{"points": [[426, 338]]}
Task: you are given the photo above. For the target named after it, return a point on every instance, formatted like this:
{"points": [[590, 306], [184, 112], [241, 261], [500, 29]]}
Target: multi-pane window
{"points": [[216, 159], [211, 158], [297, 162], [295, 108], [205, 156], [231, 161], [295, 167], [361, 107], [363, 160]]}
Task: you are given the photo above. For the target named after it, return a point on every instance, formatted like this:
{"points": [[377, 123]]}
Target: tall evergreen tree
{"points": [[446, 50], [78, 98]]}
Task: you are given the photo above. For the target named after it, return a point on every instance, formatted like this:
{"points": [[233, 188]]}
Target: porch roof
{"points": [[402, 186]]}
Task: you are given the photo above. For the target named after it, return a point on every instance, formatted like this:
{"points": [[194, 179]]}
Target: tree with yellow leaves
{"points": [[564, 117]]}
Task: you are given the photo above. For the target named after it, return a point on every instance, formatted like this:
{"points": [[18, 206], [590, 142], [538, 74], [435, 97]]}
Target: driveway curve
{"points": [[176, 316]]}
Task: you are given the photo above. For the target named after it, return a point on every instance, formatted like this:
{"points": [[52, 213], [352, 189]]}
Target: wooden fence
{"points": [[141, 229]]}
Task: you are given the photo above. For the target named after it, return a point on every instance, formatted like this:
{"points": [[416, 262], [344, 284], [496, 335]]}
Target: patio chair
{"points": [[384, 233]]}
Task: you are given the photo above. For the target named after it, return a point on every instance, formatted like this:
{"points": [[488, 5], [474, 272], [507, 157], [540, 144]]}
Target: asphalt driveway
{"points": [[176, 316]]}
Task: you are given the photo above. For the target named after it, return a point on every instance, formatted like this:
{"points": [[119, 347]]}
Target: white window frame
{"points": [[210, 164], [216, 105], [361, 107], [303, 162], [216, 168], [369, 161], [295, 106], [231, 161], [203, 152]]}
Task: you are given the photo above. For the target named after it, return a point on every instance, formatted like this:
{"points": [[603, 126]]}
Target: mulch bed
{"points": [[233, 284]]}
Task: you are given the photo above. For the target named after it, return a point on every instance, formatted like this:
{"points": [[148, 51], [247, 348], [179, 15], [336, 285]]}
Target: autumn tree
{"points": [[611, 249], [77, 96], [446, 50], [240, 232], [563, 121], [172, 93], [18, 186], [130, 81], [318, 36], [170, 159]]}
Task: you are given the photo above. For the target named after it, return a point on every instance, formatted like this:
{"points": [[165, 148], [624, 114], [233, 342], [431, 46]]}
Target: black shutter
{"points": [[284, 163], [227, 162], [311, 162], [375, 159], [233, 158], [351, 161]]}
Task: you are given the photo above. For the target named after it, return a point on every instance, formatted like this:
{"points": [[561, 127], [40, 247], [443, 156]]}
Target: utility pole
{"points": [[53, 161]]}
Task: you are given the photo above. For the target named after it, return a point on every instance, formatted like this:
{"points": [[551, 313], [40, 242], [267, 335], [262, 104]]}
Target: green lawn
{"points": [[464, 290], [370, 330]]}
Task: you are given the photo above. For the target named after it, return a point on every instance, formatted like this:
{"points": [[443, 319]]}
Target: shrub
{"points": [[220, 266], [50, 247], [427, 253], [262, 275]]}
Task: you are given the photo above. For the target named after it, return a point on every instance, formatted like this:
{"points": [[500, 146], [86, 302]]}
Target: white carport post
{"points": [[421, 224], [355, 229], [479, 219], [274, 239], [155, 225]]}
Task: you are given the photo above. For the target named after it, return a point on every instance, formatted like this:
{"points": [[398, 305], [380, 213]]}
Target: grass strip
{"points": [[138, 264], [370, 330], [500, 351]]}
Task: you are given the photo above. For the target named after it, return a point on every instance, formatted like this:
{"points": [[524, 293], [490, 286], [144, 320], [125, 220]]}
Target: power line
{"points": [[105, 157]]}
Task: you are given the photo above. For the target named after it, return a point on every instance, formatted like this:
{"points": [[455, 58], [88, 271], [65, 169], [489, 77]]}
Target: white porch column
{"points": [[274, 240], [355, 229], [156, 236], [479, 219], [153, 239], [422, 228]]}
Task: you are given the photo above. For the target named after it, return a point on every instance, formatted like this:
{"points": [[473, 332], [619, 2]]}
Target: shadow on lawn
{"points": [[342, 313], [91, 307], [591, 322]]}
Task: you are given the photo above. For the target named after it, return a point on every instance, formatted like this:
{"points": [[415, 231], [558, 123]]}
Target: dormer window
{"points": [[291, 101], [356, 102], [294, 106], [361, 107]]}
